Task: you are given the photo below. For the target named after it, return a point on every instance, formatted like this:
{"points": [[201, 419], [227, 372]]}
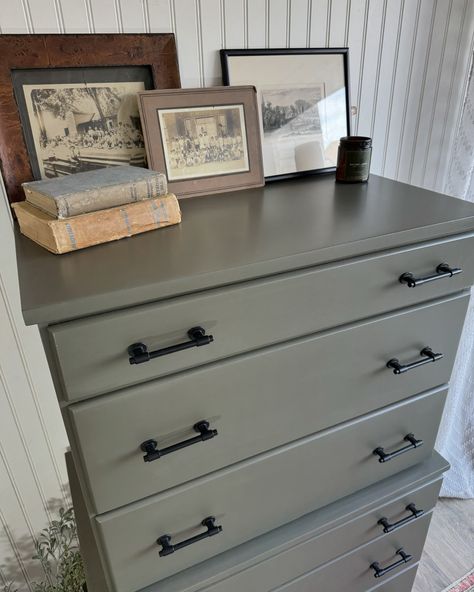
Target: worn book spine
{"points": [[109, 196], [86, 230]]}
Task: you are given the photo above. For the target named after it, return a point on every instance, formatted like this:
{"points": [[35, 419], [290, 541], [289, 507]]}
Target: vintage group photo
{"points": [[205, 141], [79, 127]]}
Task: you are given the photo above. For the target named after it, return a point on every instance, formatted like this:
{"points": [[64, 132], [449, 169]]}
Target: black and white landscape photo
{"points": [[291, 111], [204, 141], [78, 127]]}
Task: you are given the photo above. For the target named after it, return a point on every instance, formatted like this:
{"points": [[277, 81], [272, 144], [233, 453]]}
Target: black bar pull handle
{"points": [[381, 571], [414, 514], [138, 352], [428, 355], [386, 456], [168, 548], [442, 271], [151, 446]]}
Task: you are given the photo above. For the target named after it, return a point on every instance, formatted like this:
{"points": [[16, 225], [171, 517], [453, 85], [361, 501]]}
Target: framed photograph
{"points": [[69, 102], [206, 140], [303, 99]]}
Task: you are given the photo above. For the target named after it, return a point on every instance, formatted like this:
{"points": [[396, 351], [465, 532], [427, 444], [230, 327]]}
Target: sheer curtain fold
{"points": [[456, 435]]}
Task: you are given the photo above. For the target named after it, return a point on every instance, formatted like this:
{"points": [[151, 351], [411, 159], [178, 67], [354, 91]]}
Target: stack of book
{"points": [[77, 211]]}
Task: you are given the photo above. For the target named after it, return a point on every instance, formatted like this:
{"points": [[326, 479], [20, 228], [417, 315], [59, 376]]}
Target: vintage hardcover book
{"points": [[81, 193], [86, 230]]}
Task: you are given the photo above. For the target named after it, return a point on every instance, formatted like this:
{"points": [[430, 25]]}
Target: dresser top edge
{"points": [[240, 236]]}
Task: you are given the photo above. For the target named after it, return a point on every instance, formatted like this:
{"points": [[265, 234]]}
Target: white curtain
{"points": [[456, 436]]}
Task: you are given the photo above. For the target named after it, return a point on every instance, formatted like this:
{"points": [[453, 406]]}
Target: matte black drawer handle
{"points": [[139, 353], [168, 548], [427, 354], [442, 271], [414, 514], [151, 446], [381, 571], [386, 456]]}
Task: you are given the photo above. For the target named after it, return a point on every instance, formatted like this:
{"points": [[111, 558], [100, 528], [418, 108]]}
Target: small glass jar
{"points": [[353, 159]]}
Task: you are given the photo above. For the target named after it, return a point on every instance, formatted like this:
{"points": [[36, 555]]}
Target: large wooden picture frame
{"points": [[60, 54]]}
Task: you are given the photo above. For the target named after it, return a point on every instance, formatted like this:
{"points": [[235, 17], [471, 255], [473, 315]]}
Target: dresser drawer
{"points": [[92, 353], [252, 497], [354, 572], [277, 560], [256, 402]]}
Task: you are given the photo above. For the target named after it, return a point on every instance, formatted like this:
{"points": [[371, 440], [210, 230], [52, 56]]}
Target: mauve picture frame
{"points": [[206, 140]]}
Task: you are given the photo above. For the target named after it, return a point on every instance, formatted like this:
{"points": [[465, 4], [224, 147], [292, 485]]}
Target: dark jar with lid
{"points": [[353, 159]]}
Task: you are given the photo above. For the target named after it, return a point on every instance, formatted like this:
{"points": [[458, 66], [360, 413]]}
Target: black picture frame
{"points": [[309, 157]]}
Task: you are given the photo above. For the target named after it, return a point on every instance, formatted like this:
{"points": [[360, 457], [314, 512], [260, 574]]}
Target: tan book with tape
{"points": [[86, 230]]}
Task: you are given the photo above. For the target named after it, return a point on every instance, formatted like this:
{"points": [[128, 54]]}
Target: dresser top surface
{"points": [[233, 237]]}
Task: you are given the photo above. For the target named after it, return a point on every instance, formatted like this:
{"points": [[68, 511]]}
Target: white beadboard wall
{"points": [[408, 69]]}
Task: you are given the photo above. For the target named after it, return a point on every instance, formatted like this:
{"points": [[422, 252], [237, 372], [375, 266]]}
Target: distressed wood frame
{"points": [[157, 51]]}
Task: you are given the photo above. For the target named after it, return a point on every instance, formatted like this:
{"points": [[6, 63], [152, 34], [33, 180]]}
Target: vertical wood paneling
{"points": [[337, 25], [319, 23], [298, 23], [430, 92], [459, 88], [134, 14], [160, 16], [75, 16], [211, 41], [14, 20], [438, 127], [370, 69], [278, 23], [386, 83], [408, 66], [104, 15], [256, 23], [235, 21], [396, 122], [424, 38]]}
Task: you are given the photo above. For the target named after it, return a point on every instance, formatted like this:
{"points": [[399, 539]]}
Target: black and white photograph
{"points": [[303, 97], [79, 127], [204, 141], [292, 111]]}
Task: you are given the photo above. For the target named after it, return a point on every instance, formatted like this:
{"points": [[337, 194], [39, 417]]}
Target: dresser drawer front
{"points": [[92, 353], [299, 478], [353, 572], [256, 402], [302, 553]]}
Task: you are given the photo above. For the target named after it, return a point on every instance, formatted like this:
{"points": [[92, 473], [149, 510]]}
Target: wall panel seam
{"points": [[24, 446], [89, 16], [423, 89], [436, 93], [309, 11], [407, 91], [14, 547], [392, 86], [59, 15], [197, 7], [328, 22], [118, 15], [463, 93], [347, 25], [146, 15], [33, 393], [377, 71], [362, 60], [27, 14]]}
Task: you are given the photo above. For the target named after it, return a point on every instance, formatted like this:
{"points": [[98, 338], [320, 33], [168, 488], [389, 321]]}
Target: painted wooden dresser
{"points": [[252, 398]]}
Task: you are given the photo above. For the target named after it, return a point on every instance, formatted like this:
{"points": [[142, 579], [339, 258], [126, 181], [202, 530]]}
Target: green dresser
{"points": [[252, 398]]}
